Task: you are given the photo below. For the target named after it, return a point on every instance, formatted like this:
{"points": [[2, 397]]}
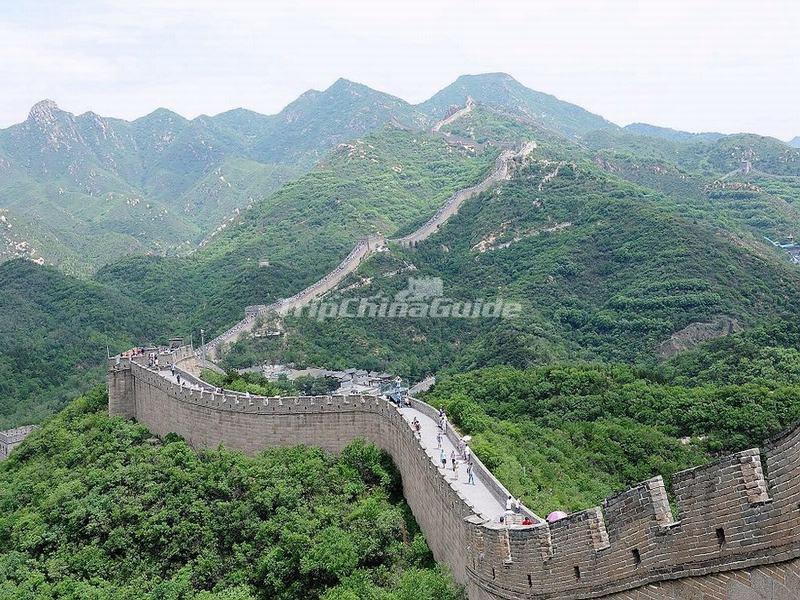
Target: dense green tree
{"points": [[95, 507]]}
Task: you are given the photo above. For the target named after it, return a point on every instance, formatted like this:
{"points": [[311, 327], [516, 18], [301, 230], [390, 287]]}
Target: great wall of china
{"points": [[12, 438], [736, 535], [366, 247]]}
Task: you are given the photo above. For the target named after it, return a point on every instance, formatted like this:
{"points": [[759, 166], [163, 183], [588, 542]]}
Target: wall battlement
{"points": [[730, 516], [737, 521], [11, 438]]}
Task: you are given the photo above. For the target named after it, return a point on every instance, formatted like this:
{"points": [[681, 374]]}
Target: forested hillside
{"points": [[605, 270], [95, 507], [383, 183], [564, 437], [81, 191], [386, 182], [56, 330]]}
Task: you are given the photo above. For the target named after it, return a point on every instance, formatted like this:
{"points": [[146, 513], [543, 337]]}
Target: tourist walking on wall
{"points": [[439, 439], [443, 458], [470, 474]]}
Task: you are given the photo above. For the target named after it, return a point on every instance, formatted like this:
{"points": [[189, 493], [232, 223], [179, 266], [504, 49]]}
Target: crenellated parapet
{"points": [[11, 438], [735, 524], [731, 515]]}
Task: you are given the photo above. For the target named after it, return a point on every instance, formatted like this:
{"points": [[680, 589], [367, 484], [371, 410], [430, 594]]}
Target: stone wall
{"points": [[207, 419], [736, 534], [12, 438], [451, 206], [284, 306]]}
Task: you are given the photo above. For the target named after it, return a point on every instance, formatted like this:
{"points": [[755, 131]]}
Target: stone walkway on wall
{"points": [[486, 505], [477, 495]]}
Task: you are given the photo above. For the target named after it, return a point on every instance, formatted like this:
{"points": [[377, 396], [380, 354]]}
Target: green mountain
{"points": [[81, 191], [673, 135], [387, 182], [604, 270], [502, 91], [85, 190], [317, 121]]}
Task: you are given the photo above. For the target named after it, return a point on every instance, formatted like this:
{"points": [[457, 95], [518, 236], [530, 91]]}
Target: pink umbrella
{"points": [[556, 515]]}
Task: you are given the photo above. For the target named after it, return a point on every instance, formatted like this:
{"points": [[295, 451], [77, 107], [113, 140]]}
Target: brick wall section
{"points": [[12, 438], [209, 419], [736, 536]]}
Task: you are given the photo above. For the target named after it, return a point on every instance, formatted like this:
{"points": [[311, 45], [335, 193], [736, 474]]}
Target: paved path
{"points": [[477, 494], [422, 386]]}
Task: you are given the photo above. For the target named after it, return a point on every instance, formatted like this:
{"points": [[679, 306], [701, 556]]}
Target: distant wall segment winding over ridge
{"points": [[502, 171], [364, 248], [736, 537]]}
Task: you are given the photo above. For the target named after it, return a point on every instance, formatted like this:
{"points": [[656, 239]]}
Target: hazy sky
{"points": [[727, 65]]}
